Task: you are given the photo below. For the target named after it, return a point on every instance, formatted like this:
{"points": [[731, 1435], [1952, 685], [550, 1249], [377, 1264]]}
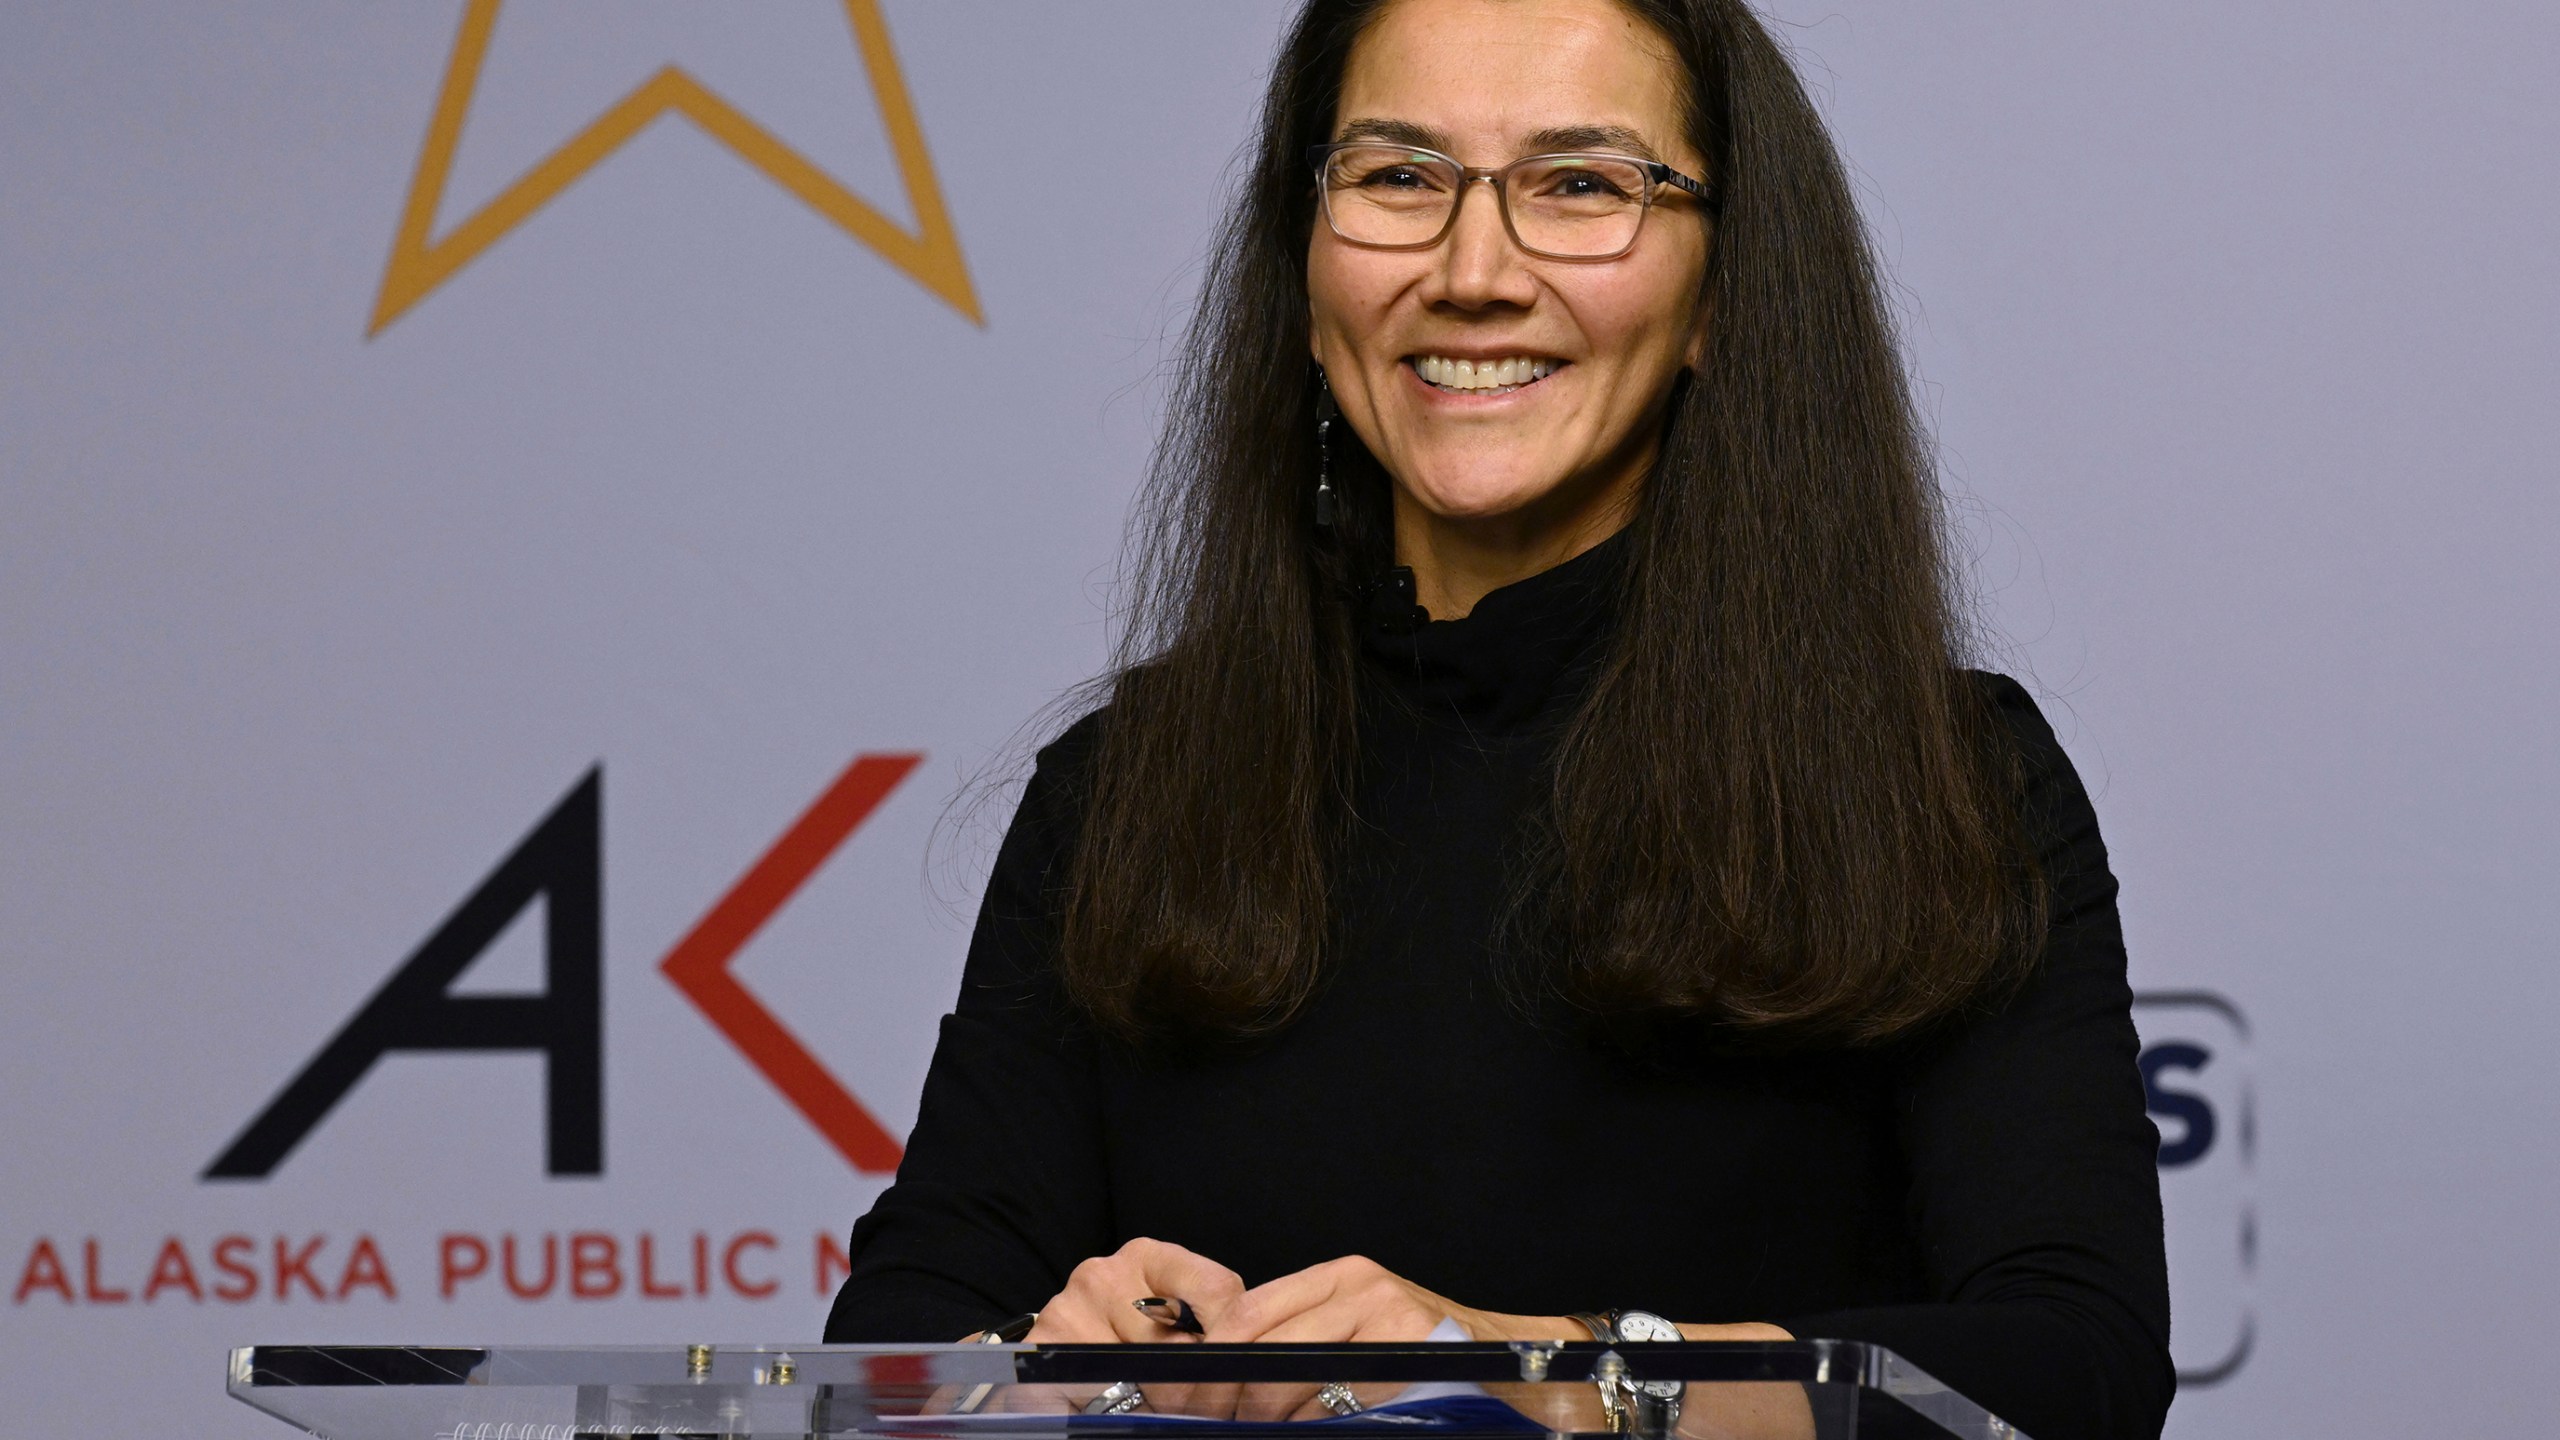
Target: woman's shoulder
{"points": [[2003, 696], [1071, 750], [1013, 952], [2060, 819], [2018, 723], [1062, 769], [1049, 814]]}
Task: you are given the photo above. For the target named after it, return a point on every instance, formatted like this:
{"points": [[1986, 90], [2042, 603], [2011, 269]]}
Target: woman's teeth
{"points": [[1484, 376]]}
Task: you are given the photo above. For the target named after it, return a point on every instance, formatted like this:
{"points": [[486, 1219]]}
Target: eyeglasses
{"points": [[1562, 207]]}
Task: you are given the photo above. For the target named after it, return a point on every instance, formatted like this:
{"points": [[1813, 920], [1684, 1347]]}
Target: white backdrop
{"points": [[2237, 325]]}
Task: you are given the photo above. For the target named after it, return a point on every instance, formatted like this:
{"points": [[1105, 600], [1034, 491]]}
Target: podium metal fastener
{"points": [[697, 1362], [781, 1371], [1609, 1374], [1534, 1355]]}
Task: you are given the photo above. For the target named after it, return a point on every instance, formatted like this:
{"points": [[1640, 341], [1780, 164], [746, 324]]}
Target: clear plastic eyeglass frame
{"points": [[1656, 176]]}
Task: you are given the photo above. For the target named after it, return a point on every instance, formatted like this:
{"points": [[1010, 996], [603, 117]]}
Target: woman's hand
{"points": [[1355, 1299], [1098, 1306], [1342, 1301], [1351, 1299], [1345, 1300]]}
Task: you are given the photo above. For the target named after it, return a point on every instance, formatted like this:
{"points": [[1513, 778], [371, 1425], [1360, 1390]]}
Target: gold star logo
{"points": [[420, 262]]}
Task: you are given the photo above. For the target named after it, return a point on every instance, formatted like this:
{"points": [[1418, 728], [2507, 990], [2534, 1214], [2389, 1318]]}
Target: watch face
{"points": [[1641, 1325]]}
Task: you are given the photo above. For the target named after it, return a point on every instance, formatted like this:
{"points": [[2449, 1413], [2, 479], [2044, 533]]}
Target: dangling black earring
{"points": [[1325, 413]]}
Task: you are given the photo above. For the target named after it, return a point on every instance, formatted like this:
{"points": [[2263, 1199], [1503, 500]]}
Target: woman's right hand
{"points": [[1099, 1306]]}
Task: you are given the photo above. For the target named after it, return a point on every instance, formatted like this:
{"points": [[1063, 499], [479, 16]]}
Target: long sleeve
{"points": [[1002, 1189], [1986, 1203], [2034, 1188]]}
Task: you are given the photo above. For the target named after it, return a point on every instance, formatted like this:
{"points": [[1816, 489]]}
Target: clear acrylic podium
{"points": [[1797, 1390]]}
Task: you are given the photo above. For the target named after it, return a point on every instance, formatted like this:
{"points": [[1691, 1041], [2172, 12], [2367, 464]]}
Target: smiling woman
{"points": [[1540, 853], [1494, 482]]}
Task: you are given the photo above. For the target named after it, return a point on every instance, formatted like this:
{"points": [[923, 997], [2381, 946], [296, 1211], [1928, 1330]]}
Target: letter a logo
{"points": [[562, 863]]}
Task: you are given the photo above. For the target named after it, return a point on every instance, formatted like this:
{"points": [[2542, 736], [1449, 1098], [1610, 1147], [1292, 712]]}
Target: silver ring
{"points": [[1337, 1397], [1121, 1397]]}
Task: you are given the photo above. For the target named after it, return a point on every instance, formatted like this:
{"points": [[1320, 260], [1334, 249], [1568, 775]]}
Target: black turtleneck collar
{"points": [[1520, 659]]}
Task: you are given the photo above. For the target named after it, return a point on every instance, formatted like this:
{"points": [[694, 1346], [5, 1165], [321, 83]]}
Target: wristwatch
{"points": [[1648, 1407]]}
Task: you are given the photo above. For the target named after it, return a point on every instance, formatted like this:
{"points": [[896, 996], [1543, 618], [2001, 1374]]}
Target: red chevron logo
{"points": [[699, 963]]}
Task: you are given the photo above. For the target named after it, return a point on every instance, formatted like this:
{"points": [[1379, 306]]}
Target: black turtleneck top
{"points": [[1984, 1203]]}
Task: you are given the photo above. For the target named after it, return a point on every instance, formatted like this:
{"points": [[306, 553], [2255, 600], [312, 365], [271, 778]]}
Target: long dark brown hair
{"points": [[1782, 808]]}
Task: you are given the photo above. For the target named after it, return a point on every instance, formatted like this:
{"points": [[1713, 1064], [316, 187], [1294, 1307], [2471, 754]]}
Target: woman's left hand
{"points": [[1338, 1302], [1351, 1299], [1357, 1299]]}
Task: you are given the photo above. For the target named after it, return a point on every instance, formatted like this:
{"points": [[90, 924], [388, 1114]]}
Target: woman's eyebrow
{"points": [[1394, 132], [1591, 137], [1554, 138]]}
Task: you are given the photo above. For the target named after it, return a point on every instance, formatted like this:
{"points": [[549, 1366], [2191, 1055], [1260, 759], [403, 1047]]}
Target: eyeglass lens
{"points": [[1586, 206]]}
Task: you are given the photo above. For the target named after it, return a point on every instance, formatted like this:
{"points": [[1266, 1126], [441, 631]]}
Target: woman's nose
{"points": [[1479, 263]]}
